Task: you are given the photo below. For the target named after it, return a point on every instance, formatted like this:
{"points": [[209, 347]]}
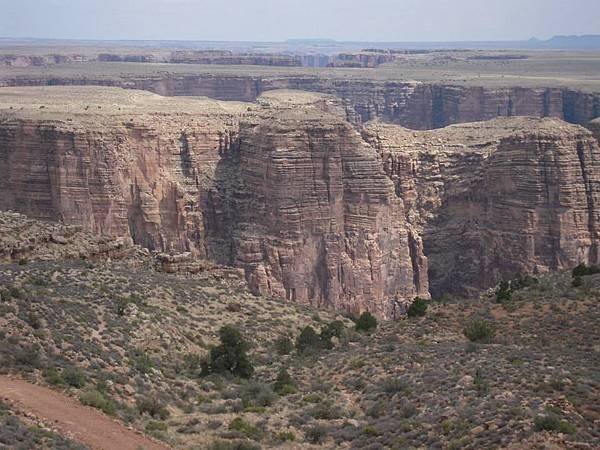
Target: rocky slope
{"points": [[290, 191]]}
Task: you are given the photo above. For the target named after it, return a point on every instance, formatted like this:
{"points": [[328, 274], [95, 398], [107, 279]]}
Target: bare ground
{"points": [[81, 423]]}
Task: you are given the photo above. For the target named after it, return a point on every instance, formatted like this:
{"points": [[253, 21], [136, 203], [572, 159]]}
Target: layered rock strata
{"points": [[291, 192], [497, 198], [413, 105]]}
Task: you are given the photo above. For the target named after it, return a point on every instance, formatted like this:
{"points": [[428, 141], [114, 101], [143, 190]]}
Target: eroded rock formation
{"points": [[496, 198], [288, 190]]}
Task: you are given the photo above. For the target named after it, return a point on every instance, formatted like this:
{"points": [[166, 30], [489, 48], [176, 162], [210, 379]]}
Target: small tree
{"points": [[331, 330], [417, 308], [284, 384], [308, 340], [366, 322], [504, 293], [230, 356]]}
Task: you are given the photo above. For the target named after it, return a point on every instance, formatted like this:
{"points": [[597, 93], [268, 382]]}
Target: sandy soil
{"points": [[78, 422]]}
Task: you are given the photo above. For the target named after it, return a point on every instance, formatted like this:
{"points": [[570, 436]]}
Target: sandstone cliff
{"points": [[496, 198], [290, 191], [285, 189]]}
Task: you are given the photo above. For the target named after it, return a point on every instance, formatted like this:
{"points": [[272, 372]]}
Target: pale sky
{"points": [[276, 20]]}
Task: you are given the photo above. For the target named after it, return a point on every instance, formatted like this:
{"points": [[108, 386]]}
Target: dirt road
{"points": [[80, 423]]}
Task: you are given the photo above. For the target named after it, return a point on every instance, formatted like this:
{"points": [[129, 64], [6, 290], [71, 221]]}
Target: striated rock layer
{"points": [[291, 192], [497, 198], [413, 105]]}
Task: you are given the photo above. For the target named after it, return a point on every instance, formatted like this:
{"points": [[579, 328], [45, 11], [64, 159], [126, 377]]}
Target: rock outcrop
{"points": [[497, 198], [414, 105], [289, 191]]}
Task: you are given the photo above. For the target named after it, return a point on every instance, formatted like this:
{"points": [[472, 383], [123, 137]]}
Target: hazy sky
{"points": [[263, 20]]}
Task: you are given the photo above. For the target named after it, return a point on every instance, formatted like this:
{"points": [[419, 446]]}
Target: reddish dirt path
{"points": [[78, 422]]}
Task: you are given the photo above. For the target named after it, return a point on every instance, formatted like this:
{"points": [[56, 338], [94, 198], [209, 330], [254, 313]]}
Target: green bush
{"points": [[316, 434], [284, 384], [74, 377], [154, 425], [418, 308], [331, 330], [251, 431], [29, 357], [256, 394], [286, 436], [577, 281], [98, 400], [234, 445], [366, 322], [551, 422], [152, 407], [284, 345], [582, 270], [504, 293], [480, 331], [54, 377], [230, 356], [308, 341]]}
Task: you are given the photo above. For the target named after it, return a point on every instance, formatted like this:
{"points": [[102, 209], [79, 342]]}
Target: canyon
{"points": [[293, 187], [411, 104]]}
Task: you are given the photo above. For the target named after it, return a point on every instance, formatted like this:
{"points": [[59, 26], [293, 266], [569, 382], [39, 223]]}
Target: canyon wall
{"points": [[494, 199], [285, 189], [413, 105], [312, 209]]}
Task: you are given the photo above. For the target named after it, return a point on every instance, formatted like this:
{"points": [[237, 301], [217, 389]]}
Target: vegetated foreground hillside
{"points": [[133, 342]]}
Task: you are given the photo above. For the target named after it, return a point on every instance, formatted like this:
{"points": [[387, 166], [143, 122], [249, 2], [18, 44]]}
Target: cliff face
{"points": [[497, 198], [286, 189], [289, 191], [319, 221], [413, 105]]}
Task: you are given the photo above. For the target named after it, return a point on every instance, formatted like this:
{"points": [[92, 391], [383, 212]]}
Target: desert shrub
{"points": [[582, 270], [284, 384], [142, 362], [286, 436], [230, 356], [523, 280], [308, 341], [234, 445], [418, 308], [247, 429], [121, 305], [327, 410], [54, 377], [366, 322], [577, 282], [331, 330], [480, 383], [154, 425], [98, 400], [74, 377], [153, 407], [284, 345], [34, 320], [480, 331], [503, 293], [394, 385], [29, 357], [551, 422], [316, 434], [256, 394]]}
